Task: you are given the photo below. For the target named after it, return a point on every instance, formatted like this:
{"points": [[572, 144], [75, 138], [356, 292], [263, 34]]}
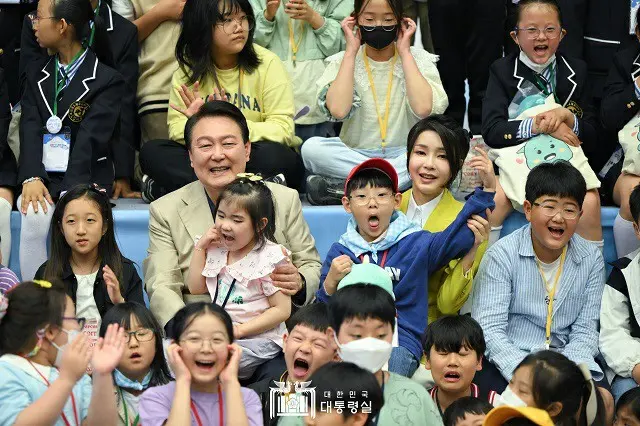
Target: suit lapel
{"points": [[195, 213], [519, 70], [46, 82], [565, 80], [79, 85], [107, 15], [635, 68]]}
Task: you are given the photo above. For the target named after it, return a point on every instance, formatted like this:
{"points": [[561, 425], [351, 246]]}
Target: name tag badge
{"points": [[55, 150]]}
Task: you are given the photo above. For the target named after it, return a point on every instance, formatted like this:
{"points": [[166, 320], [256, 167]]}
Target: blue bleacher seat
{"points": [[326, 224]]}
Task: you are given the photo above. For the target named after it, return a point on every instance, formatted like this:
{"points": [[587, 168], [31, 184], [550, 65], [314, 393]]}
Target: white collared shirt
{"points": [[420, 214]]}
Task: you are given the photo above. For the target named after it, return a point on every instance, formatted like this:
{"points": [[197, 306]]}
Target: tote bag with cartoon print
{"points": [[516, 162], [629, 138]]}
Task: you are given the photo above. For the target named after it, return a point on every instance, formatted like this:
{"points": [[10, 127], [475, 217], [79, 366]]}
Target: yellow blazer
{"points": [[177, 218], [448, 287]]}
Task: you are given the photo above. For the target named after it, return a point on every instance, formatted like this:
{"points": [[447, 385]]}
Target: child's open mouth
{"points": [[205, 365], [135, 356], [300, 368], [541, 49], [373, 222], [556, 232], [451, 377]]}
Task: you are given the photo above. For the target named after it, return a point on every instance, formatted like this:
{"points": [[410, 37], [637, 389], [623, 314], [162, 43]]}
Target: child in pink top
{"points": [[233, 263]]}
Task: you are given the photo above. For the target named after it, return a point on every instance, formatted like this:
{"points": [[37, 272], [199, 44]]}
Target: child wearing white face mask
{"points": [[45, 359], [550, 381], [363, 318]]}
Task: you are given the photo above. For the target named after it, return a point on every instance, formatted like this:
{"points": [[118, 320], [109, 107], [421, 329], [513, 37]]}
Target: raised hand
{"points": [[180, 370], [407, 30], [75, 359], [340, 267], [353, 39], [113, 285], [108, 350], [271, 9], [210, 239], [191, 99], [230, 373], [484, 166]]}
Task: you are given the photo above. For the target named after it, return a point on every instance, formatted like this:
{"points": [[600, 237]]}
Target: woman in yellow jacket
{"points": [[437, 147]]}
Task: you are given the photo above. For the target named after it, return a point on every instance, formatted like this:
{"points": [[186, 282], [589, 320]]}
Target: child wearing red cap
{"points": [[386, 237]]}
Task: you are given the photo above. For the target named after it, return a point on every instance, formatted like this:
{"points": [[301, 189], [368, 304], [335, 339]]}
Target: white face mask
{"points": [[71, 336], [510, 399], [534, 66], [369, 353]]}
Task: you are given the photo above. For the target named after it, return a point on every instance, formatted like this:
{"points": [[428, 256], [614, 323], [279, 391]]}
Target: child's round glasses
{"points": [[229, 24], [197, 343], [141, 335], [549, 210], [363, 200], [533, 33]]}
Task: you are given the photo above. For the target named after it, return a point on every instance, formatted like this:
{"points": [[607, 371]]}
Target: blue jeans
{"points": [[403, 362], [620, 385]]}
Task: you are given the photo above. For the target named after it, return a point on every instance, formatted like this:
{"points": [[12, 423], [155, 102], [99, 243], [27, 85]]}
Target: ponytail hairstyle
{"points": [[28, 309], [80, 15], [251, 193], [556, 379], [59, 250]]}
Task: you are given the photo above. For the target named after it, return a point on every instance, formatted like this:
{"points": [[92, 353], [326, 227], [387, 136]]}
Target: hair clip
{"points": [[43, 283], [4, 305], [250, 177]]}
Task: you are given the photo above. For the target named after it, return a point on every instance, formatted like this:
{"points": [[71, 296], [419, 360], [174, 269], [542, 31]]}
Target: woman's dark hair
{"points": [[349, 384], [60, 252], [31, 307], [463, 406], [256, 199], [194, 49], [555, 378], [185, 316], [631, 400], [121, 314], [79, 14], [395, 5], [455, 140], [523, 4]]}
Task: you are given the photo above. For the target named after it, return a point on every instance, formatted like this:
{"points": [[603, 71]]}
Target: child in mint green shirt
{"points": [[303, 33]]}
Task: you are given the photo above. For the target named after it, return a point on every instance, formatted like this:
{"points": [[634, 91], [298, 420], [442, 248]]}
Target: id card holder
{"points": [[55, 150]]}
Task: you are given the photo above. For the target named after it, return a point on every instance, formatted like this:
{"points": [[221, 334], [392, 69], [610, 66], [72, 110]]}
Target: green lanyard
{"points": [[543, 84], [126, 412], [93, 27], [59, 85]]}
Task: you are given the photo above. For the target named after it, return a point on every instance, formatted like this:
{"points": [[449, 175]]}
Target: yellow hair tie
{"points": [[43, 283], [250, 176]]}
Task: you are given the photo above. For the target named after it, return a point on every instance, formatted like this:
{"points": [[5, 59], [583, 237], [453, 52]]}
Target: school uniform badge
{"points": [[575, 108], [77, 110]]}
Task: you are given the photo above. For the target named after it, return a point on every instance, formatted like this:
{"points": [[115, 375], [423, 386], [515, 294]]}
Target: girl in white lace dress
{"points": [[233, 262], [380, 87]]}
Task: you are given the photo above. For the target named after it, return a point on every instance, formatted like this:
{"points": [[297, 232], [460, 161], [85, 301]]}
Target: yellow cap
{"points": [[499, 415]]}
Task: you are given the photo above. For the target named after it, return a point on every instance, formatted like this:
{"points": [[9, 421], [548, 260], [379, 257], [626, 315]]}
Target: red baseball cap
{"points": [[378, 164]]}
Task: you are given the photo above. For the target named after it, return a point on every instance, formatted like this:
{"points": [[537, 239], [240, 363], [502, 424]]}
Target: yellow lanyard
{"points": [[292, 42], [552, 294], [240, 90], [383, 123]]}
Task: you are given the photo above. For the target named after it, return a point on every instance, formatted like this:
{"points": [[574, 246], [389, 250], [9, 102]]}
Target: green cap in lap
{"points": [[368, 273]]}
